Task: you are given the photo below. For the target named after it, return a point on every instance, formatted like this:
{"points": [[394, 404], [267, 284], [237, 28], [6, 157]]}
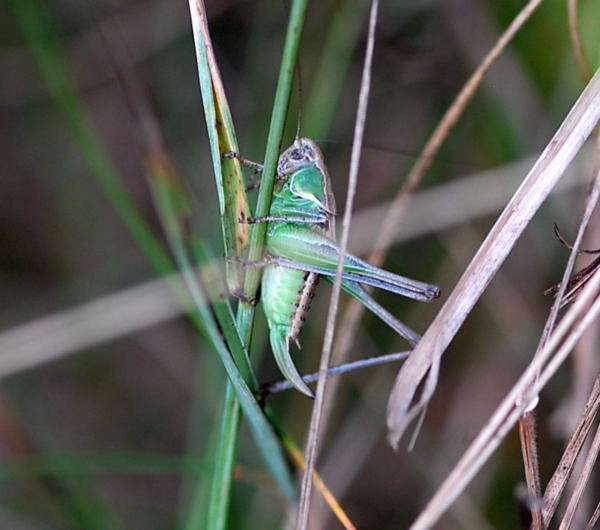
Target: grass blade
{"points": [[231, 191], [45, 48], [331, 74], [209, 82], [172, 209]]}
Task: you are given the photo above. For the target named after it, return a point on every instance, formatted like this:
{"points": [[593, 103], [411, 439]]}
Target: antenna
{"points": [[300, 109], [286, 7]]}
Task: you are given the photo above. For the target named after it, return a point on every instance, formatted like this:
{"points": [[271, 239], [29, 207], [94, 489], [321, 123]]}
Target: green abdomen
{"points": [[286, 297]]}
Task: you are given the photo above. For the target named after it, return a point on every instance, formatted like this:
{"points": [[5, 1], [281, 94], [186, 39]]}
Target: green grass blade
{"points": [[233, 204], [171, 205], [211, 87], [330, 76], [231, 190], [217, 293], [74, 465], [170, 201], [220, 496], [45, 49], [43, 43], [203, 504], [278, 117]]}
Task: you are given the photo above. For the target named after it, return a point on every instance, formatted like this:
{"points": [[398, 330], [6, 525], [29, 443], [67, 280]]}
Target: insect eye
{"points": [[297, 154]]}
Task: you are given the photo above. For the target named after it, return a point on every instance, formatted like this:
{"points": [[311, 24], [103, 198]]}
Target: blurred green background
{"points": [[113, 434]]}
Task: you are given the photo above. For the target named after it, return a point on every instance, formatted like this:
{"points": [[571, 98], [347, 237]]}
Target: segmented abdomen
{"points": [[286, 296]]}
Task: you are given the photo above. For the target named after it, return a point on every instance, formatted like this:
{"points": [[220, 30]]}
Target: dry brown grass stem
{"points": [[527, 422], [426, 358], [582, 481], [519, 211], [516, 402], [91, 323], [442, 131], [527, 435], [563, 470]]}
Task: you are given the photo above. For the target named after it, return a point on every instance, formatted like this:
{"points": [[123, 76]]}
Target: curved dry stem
{"points": [[565, 144], [575, 34], [554, 353]]}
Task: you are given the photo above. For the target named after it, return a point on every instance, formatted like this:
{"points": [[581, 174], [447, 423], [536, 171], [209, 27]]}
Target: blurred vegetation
{"points": [[115, 435]]}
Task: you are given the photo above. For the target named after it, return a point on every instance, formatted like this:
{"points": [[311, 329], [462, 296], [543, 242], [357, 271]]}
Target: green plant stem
{"points": [[245, 314]]}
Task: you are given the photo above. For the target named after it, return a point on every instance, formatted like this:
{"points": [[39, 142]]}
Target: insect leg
{"points": [[253, 183], [354, 289], [245, 162]]}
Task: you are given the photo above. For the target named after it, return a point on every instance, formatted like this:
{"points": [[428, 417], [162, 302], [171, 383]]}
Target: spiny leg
{"points": [[245, 162], [257, 168]]}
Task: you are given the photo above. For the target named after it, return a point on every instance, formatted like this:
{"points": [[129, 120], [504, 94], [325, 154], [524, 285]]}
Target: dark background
{"points": [[99, 438]]}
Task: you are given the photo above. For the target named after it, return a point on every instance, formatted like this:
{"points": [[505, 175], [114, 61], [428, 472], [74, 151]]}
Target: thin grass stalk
{"points": [[230, 211], [326, 88], [262, 431], [171, 200], [442, 131], [278, 118], [529, 453], [594, 518], [332, 70], [240, 376], [245, 315], [359, 129], [298, 458], [194, 496], [560, 477], [582, 481], [220, 487]]}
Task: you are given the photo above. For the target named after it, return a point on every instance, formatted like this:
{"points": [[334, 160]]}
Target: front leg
{"points": [[245, 162], [253, 183]]}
